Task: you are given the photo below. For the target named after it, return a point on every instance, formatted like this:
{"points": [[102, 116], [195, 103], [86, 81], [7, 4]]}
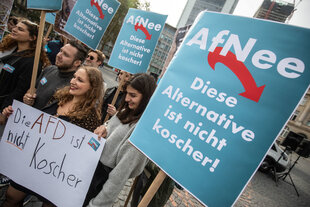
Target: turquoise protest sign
{"points": [[136, 41], [225, 97], [50, 17], [54, 5], [89, 19]]}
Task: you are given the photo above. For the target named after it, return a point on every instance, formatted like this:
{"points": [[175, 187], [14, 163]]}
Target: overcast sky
{"points": [[174, 8]]}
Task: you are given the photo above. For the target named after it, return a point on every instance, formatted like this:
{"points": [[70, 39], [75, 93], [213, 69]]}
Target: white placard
{"points": [[50, 156]]}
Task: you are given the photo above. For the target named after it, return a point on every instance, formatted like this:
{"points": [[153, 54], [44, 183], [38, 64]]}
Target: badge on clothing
{"points": [[94, 143], [8, 68], [43, 81]]}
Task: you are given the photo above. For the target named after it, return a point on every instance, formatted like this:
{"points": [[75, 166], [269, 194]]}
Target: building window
{"points": [[304, 101], [285, 131], [294, 116]]}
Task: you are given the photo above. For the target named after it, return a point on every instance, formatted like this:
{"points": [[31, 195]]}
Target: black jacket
{"points": [[14, 83]]}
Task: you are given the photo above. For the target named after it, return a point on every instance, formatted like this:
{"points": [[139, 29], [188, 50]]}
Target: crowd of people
{"points": [[70, 86]]}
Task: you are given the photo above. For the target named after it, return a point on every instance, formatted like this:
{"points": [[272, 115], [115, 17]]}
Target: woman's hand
{"points": [[5, 114], [101, 131], [7, 111], [111, 110]]}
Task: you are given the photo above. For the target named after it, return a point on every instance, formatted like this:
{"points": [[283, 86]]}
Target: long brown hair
{"points": [[146, 85], [8, 43], [92, 99]]}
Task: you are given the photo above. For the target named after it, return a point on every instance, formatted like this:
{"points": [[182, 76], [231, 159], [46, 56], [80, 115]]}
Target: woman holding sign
{"points": [[17, 52], [120, 160], [80, 104]]}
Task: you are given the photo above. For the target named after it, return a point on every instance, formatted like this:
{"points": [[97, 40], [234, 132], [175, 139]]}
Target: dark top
{"points": [[15, 77], [52, 49], [50, 80], [107, 99], [90, 122]]}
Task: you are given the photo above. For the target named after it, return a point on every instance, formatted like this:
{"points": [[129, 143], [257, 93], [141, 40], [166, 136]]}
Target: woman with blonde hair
{"points": [[80, 104]]}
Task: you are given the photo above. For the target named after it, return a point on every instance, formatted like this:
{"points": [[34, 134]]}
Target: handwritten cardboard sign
{"points": [[48, 155], [225, 97], [136, 41], [89, 20], [54, 5]]}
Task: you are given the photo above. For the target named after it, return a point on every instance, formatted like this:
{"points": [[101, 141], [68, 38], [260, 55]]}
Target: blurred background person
{"points": [[107, 107], [52, 48], [94, 58]]}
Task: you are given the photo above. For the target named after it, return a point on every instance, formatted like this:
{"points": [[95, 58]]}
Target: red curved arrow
{"points": [[252, 92], [92, 2], [144, 30]]}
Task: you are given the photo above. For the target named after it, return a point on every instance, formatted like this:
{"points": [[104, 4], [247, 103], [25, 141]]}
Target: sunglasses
{"points": [[90, 57]]}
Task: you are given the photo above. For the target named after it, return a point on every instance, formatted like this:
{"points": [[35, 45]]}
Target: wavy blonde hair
{"points": [[92, 99]]}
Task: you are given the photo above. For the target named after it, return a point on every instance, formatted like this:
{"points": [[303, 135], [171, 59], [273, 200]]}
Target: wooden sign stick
{"points": [[152, 189], [116, 95], [37, 53], [48, 31]]}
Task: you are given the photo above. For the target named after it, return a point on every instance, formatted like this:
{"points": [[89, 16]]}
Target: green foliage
{"points": [[19, 9]]}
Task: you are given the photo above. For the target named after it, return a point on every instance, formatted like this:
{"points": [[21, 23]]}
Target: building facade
{"points": [[194, 7], [161, 50], [300, 120], [275, 10]]}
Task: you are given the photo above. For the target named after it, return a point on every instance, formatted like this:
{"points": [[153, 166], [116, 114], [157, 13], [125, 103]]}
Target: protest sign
{"points": [[225, 97], [136, 41], [62, 17], [54, 5], [50, 17], [5, 10], [57, 158], [89, 20]]}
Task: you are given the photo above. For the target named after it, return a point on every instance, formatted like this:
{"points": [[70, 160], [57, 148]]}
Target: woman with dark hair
{"points": [[17, 52], [120, 160], [80, 104]]}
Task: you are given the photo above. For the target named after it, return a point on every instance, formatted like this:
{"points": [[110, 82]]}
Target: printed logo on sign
{"points": [[8, 68], [43, 81], [100, 5], [144, 30], [235, 62], [94, 143]]}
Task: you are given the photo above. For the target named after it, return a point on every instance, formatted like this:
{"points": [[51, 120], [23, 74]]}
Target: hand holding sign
{"points": [[57, 157]]}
